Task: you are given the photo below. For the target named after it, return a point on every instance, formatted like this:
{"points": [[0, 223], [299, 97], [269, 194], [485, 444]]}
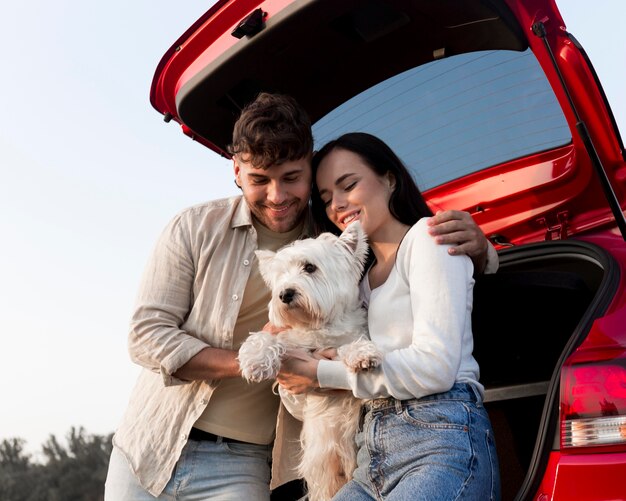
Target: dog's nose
{"points": [[287, 295]]}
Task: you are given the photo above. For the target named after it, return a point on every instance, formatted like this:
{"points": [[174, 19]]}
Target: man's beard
{"points": [[292, 218]]}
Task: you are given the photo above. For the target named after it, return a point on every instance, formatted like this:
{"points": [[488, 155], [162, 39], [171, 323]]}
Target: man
{"points": [[194, 429]]}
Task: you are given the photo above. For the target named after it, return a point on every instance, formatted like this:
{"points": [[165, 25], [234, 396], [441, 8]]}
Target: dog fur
{"points": [[314, 284]]}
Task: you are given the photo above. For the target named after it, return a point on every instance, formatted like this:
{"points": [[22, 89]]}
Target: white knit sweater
{"points": [[421, 319]]}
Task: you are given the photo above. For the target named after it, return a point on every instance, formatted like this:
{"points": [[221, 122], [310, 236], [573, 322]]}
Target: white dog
{"points": [[314, 284]]}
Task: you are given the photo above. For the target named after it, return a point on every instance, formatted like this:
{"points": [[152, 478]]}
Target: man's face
{"points": [[277, 196]]}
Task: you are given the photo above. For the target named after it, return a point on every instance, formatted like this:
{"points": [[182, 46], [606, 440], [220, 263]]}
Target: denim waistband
{"points": [[459, 391]]}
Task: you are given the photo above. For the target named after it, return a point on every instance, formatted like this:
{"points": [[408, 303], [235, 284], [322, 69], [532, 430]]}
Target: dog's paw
{"points": [[361, 355], [259, 357]]}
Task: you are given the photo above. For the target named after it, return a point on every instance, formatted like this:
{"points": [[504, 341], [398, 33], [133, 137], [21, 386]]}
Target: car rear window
{"points": [[457, 115]]}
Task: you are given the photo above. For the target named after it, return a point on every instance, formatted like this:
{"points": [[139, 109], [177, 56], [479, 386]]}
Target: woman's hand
{"points": [[326, 354], [298, 371]]}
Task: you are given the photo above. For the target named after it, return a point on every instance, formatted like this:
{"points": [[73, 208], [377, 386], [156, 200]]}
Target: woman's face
{"points": [[352, 191]]}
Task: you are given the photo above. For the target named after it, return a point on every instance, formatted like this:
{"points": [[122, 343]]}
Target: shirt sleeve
{"points": [[293, 403], [438, 286], [156, 340]]}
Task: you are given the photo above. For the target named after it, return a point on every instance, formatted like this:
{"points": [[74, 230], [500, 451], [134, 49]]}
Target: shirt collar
{"points": [[242, 215]]}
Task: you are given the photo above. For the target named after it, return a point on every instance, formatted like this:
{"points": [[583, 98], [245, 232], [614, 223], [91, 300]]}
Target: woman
{"points": [[425, 434]]}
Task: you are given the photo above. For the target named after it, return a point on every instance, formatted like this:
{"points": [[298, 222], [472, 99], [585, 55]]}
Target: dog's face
{"points": [[314, 280]]}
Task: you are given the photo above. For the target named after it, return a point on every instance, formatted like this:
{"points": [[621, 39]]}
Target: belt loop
{"points": [[479, 397], [398, 405]]}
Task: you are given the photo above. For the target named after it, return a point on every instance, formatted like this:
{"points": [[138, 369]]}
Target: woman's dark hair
{"points": [[406, 203]]}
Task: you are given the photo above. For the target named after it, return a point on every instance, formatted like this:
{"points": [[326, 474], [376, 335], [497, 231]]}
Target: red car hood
{"points": [[208, 74]]}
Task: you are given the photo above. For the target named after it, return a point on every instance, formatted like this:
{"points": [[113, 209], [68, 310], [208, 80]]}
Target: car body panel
{"points": [[589, 477]]}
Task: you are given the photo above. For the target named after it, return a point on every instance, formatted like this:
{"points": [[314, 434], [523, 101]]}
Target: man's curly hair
{"points": [[271, 130]]}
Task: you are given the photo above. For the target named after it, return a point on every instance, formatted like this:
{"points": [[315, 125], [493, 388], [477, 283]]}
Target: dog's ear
{"points": [[265, 258], [331, 237], [355, 239]]}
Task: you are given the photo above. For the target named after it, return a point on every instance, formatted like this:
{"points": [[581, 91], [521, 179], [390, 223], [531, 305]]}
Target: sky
{"points": [[89, 176]]}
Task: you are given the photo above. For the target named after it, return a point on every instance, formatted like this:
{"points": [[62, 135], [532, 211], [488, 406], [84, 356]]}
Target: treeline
{"points": [[75, 472]]}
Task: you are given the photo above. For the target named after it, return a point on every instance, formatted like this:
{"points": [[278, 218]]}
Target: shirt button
{"points": [[235, 297], [183, 437], [246, 262], [204, 401]]}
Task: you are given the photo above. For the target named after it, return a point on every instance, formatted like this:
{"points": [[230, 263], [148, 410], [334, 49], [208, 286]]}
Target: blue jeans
{"points": [[440, 447], [218, 471]]}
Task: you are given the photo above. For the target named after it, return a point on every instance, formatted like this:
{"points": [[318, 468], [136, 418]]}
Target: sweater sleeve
{"points": [[434, 286]]}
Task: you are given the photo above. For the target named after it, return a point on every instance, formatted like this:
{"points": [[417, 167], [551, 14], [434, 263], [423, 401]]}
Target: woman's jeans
{"points": [[437, 448], [218, 471]]}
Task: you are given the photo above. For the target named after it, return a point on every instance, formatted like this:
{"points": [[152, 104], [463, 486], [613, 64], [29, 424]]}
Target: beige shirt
{"points": [[189, 298], [239, 409]]}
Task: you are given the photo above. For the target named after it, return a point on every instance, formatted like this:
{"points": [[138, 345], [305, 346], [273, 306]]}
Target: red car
{"points": [[497, 110]]}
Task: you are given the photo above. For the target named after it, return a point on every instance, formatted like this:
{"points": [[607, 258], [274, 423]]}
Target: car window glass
{"points": [[458, 115]]}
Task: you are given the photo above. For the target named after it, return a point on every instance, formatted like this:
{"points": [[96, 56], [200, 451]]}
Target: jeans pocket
{"points": [[440, 414]]}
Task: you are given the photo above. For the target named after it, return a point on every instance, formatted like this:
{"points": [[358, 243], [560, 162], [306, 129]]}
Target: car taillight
{"points": [[593, 400]]}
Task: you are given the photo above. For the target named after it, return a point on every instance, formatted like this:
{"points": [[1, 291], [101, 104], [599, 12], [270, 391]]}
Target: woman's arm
{"points": [[419, 321], [421, 329]]}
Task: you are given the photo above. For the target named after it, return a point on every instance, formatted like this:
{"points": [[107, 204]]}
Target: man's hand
{"points": [[273, 330], [459, 229]]}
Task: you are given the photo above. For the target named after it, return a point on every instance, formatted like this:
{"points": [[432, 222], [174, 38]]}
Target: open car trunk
{"points": [[527, 318], [497, 111]]}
